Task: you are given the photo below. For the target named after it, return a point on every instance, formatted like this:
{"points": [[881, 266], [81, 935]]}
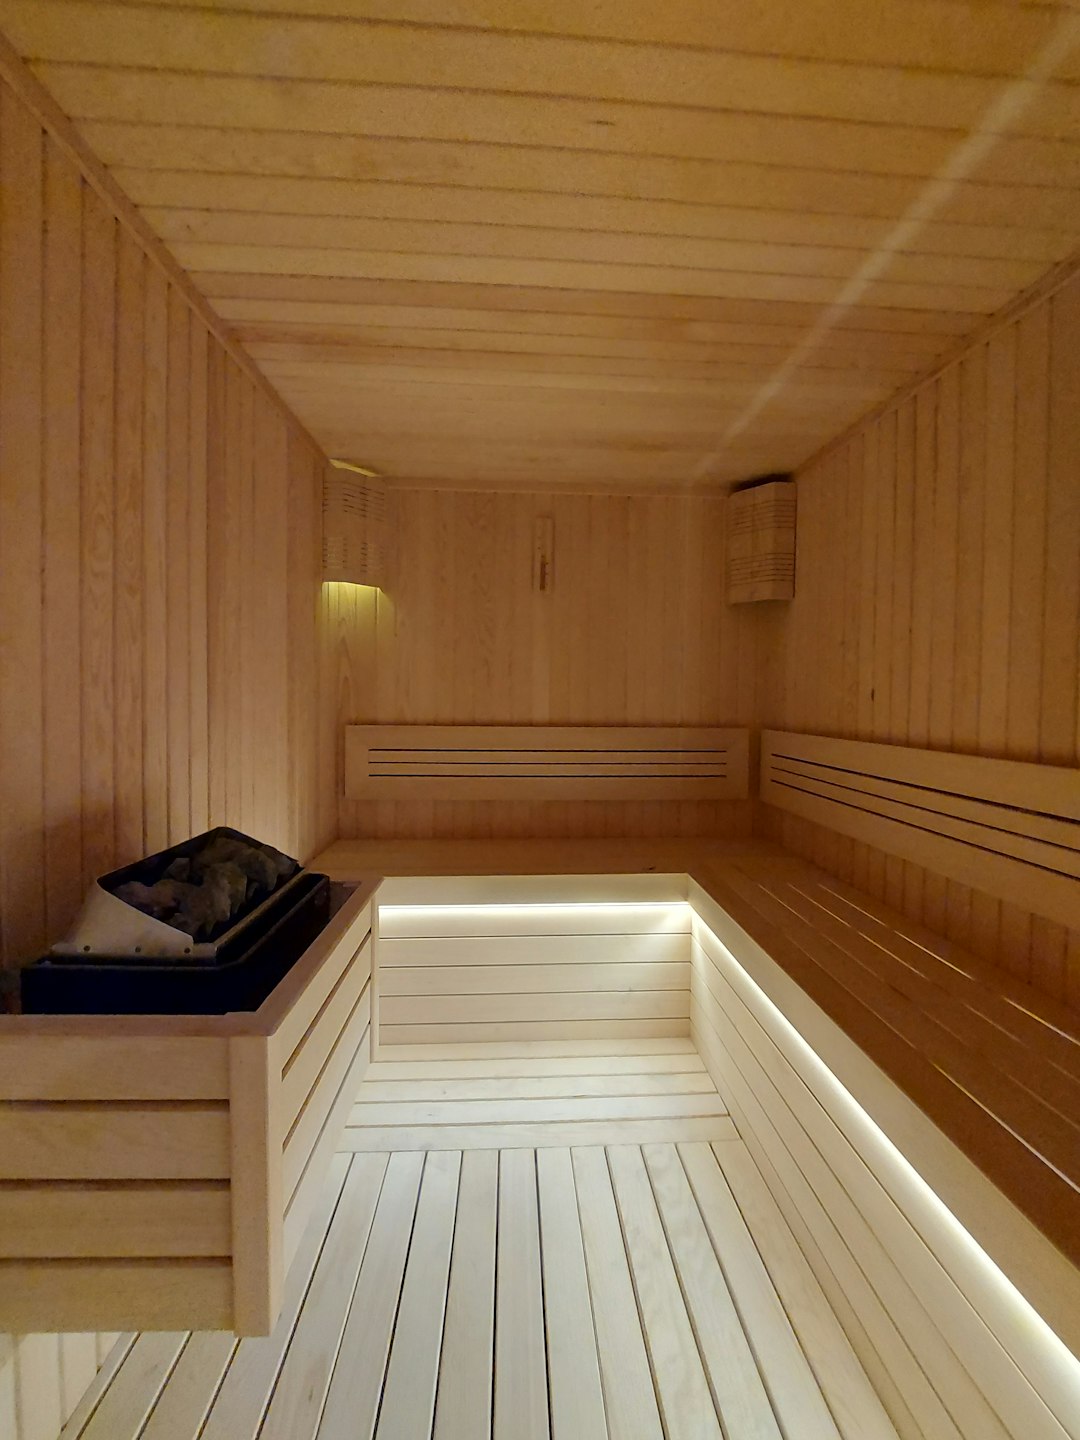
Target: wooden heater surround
{"points": [[156, 1172]]}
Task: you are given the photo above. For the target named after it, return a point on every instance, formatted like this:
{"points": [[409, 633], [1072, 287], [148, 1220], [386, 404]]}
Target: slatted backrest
{"points": [[545, 762], [1005, 827]]}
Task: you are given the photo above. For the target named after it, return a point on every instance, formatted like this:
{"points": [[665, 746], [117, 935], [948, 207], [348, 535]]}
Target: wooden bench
{"points": [[157, 1172], [903, 1101]]}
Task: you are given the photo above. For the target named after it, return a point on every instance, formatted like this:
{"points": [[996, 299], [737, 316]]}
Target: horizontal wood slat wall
{"points": [[528, 971], [633, 631], [153, 615], [941, 541]]}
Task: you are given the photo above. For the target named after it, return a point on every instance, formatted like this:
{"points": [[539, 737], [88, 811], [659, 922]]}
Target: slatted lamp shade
{"points": [[356, 527], [761, 543]]}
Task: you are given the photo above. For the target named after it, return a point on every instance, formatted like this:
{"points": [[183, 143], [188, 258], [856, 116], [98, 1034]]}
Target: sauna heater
{"points": [[206, 927]]}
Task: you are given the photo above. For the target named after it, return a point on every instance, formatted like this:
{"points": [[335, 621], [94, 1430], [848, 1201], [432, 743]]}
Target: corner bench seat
{"points": [[973, 1076]]}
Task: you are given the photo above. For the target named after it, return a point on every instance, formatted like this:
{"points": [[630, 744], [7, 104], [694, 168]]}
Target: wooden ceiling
{"points": [[601, 243]]}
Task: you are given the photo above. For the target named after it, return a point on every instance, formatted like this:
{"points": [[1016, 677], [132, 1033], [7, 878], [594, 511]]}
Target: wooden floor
{"points": [[495, 1276]]}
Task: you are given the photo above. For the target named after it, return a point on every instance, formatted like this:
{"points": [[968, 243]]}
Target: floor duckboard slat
{"points": [[732, 1373], [240, 1404], [576, 1396], [629, 1397], [678, 1372], [595, 1279], [299, 1396], [521, 1392], [463, 1410], [408, 1403], [186, 1399], [352, 1404], [796, 1398]]}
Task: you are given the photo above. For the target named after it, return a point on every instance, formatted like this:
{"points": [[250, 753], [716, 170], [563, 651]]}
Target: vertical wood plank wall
{"points": [[938, 604], [159, 666], [634, 630]]}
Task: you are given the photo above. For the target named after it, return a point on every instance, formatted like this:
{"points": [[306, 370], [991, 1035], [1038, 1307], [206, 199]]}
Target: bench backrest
{"points": [[545, 762], [1006, 827]]}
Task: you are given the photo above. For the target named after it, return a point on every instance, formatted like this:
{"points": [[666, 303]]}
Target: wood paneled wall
{"points": [[43, 1378], [159, 578], [938, 604], [634, 630], [159, 595]]}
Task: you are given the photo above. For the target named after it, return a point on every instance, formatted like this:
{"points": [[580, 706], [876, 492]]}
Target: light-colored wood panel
{"points": [[350, 1050], [502, 241], [505, 1087], [307, 1062], [234, 44], [534, 979], [184, 1403], [980, 1365], [679, 1374], [256, 1184], [537, 1109], [130, 1399], [531, 301], [251, 258], [919, 34], [128, 1221], [575, 1394], [75, 1142], [111, 1067], [204, 149], [768, 1325], [190, 190], [678, 335], [573, 1031], [1036, 1264], [368, 1139], [589, 1006], [21, 383], [239, 1405], [294, 1006], [455, 1071], [477, 762], [117, 713], [730, 1367], [170, 98], [520, 1401], [154, 1294], [304, 1380], [527, 1051], [62, 535], [456, 951], [988, 660], [996, 852], [352, 1402], [412, 1374], [309, 1187], [468, 1349]]}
